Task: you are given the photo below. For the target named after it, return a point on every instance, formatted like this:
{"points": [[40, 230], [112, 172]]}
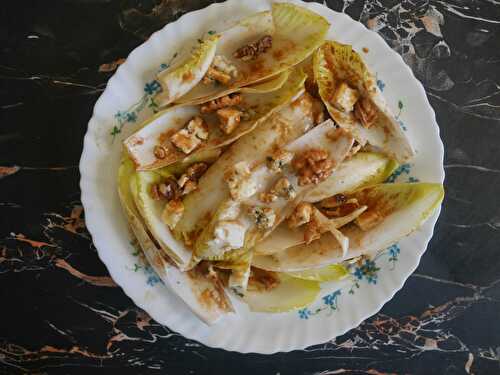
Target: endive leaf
{"points": [[290, 293], [296, 33], [401, 209], [323, 137], [154, 255], [158, 130], [247, 30], [335, 63], [281, 128], [176, 169], [202, 291], [284, 237], [151, 212], [181, 78], [332, 272], [272, 84], [204, 296], [363, 169]]}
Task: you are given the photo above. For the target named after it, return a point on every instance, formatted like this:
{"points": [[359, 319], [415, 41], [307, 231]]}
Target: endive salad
{"points": [[263, 175]]}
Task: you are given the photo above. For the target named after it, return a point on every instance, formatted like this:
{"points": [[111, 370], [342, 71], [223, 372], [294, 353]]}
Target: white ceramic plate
{"points": [[127, 101]]}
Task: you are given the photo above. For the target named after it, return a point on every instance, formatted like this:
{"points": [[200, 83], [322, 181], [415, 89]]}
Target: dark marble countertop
{"points": [[60, 311]]}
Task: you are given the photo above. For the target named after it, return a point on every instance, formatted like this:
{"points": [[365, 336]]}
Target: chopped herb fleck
{"points": [[115, 131]]}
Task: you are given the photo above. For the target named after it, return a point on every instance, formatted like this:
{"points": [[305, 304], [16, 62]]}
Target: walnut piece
{"points": [[160, 152], [344, 97], [278, 160], [264, 217], [154, 193], [338, 206], [213, 75], [226, 101], [221, 71], [190, 137], [189, 187], [301, 215], [365, 112], [267, 197], [253, 50], [195, 171], [229, 119], [312, 166], [188, 182], [169, 189]]}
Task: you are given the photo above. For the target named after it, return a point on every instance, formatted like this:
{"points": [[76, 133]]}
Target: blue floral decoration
{"points": [[358, 273], [131, 115], [368, 270], [380, 84], [402, 125], [402, 169], [153, 278], [152, 87], [329, 304], [394, 252], [331, 299], [364, 270], [304, 313], [141, 264]]}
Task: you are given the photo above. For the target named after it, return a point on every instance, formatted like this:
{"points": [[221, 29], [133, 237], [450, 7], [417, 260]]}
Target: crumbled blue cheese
{"points": [[238, 180], [238, 281], [227, 235], [283, 188], [263, 217], [278, 160], [344, 98]]}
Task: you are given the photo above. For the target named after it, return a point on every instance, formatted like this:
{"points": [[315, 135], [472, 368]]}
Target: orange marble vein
{"points": [[7, 171], [94, 280], [109, 67], [37, 244], [74, 221]]}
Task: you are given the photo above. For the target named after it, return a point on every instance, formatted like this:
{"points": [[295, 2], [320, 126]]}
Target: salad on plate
{"points": [[263, 174]]}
